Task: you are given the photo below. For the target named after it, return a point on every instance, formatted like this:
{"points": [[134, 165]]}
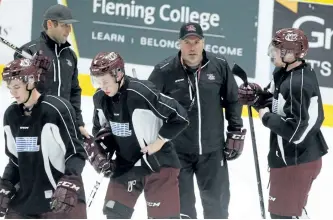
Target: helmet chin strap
{"points": [[288, 63], [119, 82], [116, 96], [28, 110], [30, 91]]}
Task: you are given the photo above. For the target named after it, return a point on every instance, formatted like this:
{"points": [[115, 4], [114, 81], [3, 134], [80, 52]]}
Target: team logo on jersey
{"points": [[27, 144], [120, 129], [211, 76], [69, 63]]}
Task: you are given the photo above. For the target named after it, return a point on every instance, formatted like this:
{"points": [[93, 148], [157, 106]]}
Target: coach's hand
{"points": [[234, 144]]}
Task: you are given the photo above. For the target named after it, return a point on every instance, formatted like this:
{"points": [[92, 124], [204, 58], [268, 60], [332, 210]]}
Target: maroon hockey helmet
{"points": [[23, 69], [290, 40], [107, 63], [26, 69]]}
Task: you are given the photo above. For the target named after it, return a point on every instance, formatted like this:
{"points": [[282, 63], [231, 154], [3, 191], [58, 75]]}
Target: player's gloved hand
{"points": [[7, 191], [234, 144], [247, 95], [41, 61], [66, 194], [264, 100], [98, 157]]}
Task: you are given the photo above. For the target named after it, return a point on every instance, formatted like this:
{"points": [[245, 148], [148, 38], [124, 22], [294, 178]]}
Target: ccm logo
{"points": [[68, 185], [238, 137], [153, 204], [3, 191]]}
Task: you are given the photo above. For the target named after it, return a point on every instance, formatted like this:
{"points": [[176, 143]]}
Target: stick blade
{"points": [[238, 71]]}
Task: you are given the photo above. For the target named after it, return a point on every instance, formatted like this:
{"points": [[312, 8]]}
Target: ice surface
{"points": [[244, 202]]}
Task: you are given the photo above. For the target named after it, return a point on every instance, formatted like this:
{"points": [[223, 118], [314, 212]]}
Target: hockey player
{"points": [[203, 84], [136, 122], [292, 109], [43, 176]]}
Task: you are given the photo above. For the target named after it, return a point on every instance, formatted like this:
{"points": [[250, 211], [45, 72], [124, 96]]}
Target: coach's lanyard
{"points": [[193, 87]]}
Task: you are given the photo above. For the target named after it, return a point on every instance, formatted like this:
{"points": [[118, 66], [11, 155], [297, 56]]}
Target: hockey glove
{"points": [[247, 95], [41, 61], [98, 157], [264, 100], [7, 191], [66, 194], [234, 144]]}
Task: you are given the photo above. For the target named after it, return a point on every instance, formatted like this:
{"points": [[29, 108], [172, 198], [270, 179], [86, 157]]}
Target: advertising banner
{"points": [[315, 19], [146, 32]]}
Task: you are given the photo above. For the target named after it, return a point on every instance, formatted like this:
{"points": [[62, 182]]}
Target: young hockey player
{"points": [[43, 176], [136, 122], [205, 86], [292, 109]]}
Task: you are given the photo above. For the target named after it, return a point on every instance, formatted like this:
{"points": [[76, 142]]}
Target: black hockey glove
{"points": [[234, 144], [264, 100], [98, 157], [7, 191], [66, 194]]}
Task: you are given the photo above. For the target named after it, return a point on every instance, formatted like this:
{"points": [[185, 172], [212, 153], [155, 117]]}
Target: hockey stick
{"points": [[95, 189], [238, 71], [18, 50]]}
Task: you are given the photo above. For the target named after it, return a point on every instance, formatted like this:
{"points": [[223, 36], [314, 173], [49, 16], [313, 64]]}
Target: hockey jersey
{"points": [[296, 117], [41, 148], [134, 100]]}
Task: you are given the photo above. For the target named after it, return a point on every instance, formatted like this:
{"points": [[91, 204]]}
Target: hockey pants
{"points": [[160, 190]]}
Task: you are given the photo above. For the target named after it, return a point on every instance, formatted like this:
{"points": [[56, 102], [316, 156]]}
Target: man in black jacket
{"points": [[203, 84], [292, 109], [62, 78]]}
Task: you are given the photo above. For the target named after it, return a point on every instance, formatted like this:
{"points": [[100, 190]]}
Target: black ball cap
{"points": [[59, 13], [190, 29]]}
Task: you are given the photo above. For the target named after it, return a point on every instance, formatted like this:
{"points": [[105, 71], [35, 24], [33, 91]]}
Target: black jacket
{"points": [[296, 117], [215, 89], [62, 78], [134, 101], [41, 149]]}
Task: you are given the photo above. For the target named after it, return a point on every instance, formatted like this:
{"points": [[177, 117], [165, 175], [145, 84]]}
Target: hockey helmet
{"points": [[289, 41], [106, 62], [27, 70]]}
